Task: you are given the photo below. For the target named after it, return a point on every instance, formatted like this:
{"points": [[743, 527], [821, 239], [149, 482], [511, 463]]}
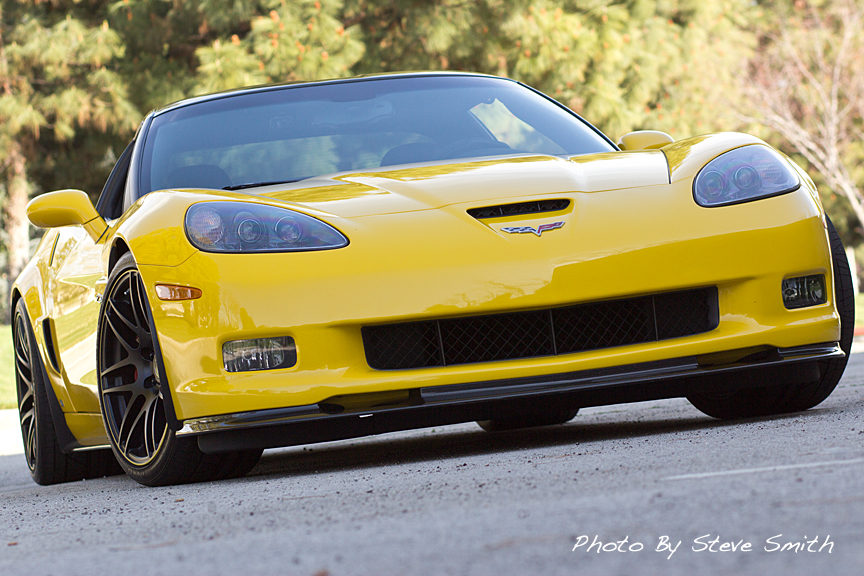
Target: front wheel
{"points": [[785, 398], [132, 396]]}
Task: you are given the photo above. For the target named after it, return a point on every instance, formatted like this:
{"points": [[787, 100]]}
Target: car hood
{"points": [[434, 185]]}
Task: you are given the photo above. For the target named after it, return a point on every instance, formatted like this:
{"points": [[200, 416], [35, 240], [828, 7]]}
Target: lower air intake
{"points": [[592, 326]]}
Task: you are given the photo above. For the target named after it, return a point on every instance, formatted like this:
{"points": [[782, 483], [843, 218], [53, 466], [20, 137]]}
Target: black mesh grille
{"points": [[412, 344], [496, 337], [604, 325], [541, 332], [520, 208]]}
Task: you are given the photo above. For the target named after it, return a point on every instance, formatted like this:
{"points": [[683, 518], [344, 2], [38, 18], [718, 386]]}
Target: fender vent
{"points": [[591, 326], [49, 344], [534, 207]]}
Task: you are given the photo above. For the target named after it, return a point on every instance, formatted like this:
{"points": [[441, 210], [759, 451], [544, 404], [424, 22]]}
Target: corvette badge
{"points": [[529, 230]]}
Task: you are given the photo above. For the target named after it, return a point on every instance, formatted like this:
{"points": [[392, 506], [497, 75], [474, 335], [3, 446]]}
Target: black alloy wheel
{"points": [[25, 386], [48, 462], [132, 396]]}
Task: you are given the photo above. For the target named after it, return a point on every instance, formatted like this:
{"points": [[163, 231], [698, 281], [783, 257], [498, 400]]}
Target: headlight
{"points": [[242, 227], [744, 174]]}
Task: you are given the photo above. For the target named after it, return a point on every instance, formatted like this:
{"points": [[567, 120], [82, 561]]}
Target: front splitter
{"points": [[453, 404]]}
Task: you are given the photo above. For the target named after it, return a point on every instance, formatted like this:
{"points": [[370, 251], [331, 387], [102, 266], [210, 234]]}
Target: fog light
{"points": [[804, 291], [259, 354]]}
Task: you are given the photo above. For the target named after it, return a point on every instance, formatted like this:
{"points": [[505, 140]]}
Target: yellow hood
{"points": [[435, 185]]}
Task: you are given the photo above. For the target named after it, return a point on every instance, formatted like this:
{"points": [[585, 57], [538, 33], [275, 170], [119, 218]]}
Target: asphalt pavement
{"points": [[649, 488]]}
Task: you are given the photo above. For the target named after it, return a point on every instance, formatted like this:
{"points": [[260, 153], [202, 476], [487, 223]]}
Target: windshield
{"points": [[293, 133]]}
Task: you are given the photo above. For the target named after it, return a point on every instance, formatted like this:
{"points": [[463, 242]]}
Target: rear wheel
{"points": [[549, 417], [47, 462], [132, 396], [782, 399]]}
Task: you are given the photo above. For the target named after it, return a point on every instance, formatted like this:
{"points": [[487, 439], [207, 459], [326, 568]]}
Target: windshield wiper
{"points": [[257, 184]]}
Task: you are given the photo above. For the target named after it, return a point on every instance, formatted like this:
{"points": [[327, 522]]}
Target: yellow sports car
{"points": [[300, 263]]}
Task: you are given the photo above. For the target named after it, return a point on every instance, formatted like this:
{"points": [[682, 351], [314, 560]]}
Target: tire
{"points": [[530, 420], [131, 395], [46, 460], [783, 399]]}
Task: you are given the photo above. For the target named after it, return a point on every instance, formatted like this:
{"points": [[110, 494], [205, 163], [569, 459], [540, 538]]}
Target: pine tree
{"points": [[625, 65], [300, 40], [55, 81]]}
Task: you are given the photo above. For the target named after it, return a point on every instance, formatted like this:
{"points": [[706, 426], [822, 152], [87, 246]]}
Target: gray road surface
{"points": [[461, 501]]}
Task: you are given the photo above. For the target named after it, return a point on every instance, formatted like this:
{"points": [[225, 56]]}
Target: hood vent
{"points": [[520, 208]]}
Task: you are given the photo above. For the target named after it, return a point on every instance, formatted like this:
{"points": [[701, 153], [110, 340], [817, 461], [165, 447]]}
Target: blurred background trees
{"points": [[59, 99], [806, 84], [76, 76]]}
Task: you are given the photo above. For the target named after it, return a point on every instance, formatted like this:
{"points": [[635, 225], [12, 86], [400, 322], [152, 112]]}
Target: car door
{"points": [[77, 267]]}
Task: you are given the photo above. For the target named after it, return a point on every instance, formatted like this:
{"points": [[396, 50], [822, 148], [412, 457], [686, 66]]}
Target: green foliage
{"points": [[672, 65], [301, 40], [58, 79], [304, 40], [625, 65], [57, 86]]}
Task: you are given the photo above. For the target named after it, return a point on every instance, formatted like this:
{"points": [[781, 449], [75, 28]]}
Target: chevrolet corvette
{"points": [[308, 262]]}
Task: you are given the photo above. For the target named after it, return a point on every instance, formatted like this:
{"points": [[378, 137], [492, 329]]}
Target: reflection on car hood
{"points": [[435, 184]]}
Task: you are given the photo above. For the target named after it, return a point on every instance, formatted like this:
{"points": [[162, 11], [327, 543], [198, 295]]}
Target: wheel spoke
{"points": [[25, 402], [20, 337], [138, 306], [123, 318], [30, 444], [28, 383], [128, 361], [28, 415], [149, 424], [125, 431], [23, 360], [120, 337], [134, 388], [28, 421]]}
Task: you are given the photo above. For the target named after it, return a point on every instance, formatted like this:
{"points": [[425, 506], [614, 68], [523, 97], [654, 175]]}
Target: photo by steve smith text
{"points": [[706, 543]]}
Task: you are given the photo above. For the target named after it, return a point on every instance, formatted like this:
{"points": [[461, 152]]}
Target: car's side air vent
{"points": [[534, 207], [49, 344]]}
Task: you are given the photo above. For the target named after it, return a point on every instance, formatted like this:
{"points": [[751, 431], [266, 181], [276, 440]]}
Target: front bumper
{"points": [[453, 404], [401, 268]]}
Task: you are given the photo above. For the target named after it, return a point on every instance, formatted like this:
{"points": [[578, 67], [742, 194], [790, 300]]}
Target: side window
{"points": [[110, 204]]}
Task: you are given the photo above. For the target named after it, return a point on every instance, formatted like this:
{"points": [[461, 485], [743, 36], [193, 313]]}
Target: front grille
{"points": [[578, 328], [519, 208]]}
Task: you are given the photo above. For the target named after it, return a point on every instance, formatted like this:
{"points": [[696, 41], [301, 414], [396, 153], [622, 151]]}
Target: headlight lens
{"points": [[744, 174], [247, 227]]}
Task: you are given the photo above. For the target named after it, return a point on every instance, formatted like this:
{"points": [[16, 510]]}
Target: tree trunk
{"points": [[15, 213]]}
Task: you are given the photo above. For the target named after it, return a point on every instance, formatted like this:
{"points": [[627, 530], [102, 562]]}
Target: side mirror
{"points": [[66, 208], [644, 140]]}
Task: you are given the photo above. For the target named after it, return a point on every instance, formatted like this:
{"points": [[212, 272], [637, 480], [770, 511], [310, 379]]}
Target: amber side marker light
{"points": [[172, 292]]}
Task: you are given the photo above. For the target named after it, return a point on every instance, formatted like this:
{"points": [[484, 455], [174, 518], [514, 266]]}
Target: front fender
{"points": [[687, 157]]}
